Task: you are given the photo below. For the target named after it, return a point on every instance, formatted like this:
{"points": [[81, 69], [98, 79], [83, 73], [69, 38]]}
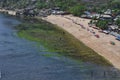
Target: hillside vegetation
{"points": [[64, 4]]}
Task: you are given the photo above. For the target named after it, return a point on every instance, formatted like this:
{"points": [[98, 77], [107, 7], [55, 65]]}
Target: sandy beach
{"points": [[80, 29]]}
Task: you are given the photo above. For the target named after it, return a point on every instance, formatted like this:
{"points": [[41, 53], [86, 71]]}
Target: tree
{"points": [[116, 11], [102, 24], [77, 10], [41, 5], [118, 22], [115, 4]]}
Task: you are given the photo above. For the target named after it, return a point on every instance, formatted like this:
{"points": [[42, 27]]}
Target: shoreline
{"points": [[82, 37], [100, 45], [57, 40]]}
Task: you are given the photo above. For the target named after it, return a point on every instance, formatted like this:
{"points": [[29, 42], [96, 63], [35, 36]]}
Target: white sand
{"points": [[101, 45]]}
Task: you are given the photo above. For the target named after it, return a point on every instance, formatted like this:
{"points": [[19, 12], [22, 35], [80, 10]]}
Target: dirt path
{"points": [[79, 28]]}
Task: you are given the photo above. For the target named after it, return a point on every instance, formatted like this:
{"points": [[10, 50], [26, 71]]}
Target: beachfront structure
{"points": [[12, 13], [113, 27], [108, 12], [117, 17], [19, 12], [90, 15], [96, 15], [105, 16], [44, 12], [57, 11]]}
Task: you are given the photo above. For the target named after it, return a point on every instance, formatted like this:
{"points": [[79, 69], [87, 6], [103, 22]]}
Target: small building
{"points": [[19, 12], [87, 13], [83, 16], [117, 17], [44, 12], [113, 27], [105, 16], [108, 12], [57, 11], [97, 16], [12, 13]]}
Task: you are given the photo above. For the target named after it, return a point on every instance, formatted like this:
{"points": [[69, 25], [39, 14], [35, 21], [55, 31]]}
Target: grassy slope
{"points": [[58, 40]]}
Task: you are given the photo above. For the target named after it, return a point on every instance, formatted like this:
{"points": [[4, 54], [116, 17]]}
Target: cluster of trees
{"points": [[114, 4], [77, 10], [73, 6], [102, 24], [76, 7], [64, 4], [118, 22], [15, 3]]}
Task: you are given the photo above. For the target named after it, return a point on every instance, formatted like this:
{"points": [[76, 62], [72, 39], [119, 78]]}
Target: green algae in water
{"points": [[57, 40], [51, 55]]}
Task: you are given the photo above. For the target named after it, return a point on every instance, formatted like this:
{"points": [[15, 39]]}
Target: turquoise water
{"points": [[21, 59]]}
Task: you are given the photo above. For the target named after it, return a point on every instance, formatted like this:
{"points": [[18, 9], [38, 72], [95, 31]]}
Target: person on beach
{"points": [[63, 24], [87, 29]]}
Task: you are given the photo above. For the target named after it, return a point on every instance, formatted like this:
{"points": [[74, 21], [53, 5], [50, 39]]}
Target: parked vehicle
{"points": [[106, 32], [97, 36], [118, 38], [114, 34]]}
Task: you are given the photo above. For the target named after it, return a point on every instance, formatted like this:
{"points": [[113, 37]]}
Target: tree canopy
{"points": [[102, 24], [77, 10], [118, 22]]}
